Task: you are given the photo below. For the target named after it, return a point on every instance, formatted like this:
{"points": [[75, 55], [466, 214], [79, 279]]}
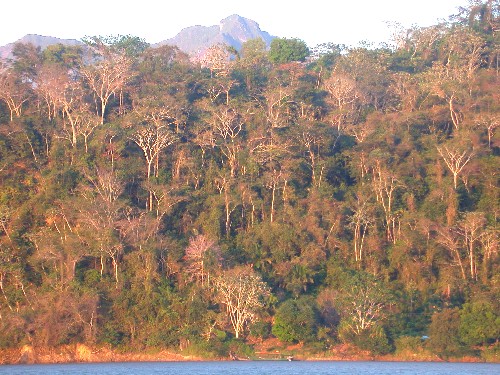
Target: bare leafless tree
{"points": [[199, 255], [242, 292], [344, 97], [107, 77], [12, 92], [456, 158], [216, 58], [227, 125], [360, 221], [471, 229], [152, 139]]}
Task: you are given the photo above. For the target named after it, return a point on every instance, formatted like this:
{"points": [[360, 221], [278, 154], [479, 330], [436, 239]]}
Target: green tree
{"points": [[60, 54], [373, 339], [253, 49], [253, 63], [123, 44], [479, 323], [26, 59], [296, 320], [285, 50]]}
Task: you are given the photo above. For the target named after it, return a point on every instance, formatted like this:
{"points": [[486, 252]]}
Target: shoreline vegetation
{"points": [[80, 353]]}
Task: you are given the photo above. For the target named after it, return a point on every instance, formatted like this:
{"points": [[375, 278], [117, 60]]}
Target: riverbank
{"points": [[83, 353], [86, 354]]}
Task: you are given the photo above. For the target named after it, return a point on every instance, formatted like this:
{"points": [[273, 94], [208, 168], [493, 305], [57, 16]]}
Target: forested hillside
{"points": [[339, 195]]}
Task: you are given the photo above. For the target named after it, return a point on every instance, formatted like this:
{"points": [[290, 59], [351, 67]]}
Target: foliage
{"points": [[296, 320], [352, 196], [261, 329], [374, 339], [127, 44], [283, 50], [411, 344], [479, 323], [444, 333]]}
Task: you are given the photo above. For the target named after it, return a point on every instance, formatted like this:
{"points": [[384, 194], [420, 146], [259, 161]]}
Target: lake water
{"points": [[256, 368]]}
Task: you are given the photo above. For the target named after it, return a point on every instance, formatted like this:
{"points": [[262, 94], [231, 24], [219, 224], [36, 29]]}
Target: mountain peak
{"points": [[232, 18], [233, 30], [235, 18]]}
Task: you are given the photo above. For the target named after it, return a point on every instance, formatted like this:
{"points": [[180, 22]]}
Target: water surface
{"points": [[256, 368]]}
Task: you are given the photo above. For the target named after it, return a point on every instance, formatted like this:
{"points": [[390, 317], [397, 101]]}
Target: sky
{"points": [[313, 21]]}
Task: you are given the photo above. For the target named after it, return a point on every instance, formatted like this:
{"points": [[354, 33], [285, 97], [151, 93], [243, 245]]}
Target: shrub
{"points": [[296, 320], [444, 336], [261, 329], [479, 323], [411, 344], [375, 340]]}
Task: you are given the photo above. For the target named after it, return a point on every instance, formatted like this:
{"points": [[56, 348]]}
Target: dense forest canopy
{"points": [[151, 201]]}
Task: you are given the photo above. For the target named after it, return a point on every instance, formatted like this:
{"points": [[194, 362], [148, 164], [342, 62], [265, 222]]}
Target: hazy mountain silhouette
{"points": [[38, 41], [233, 30]]}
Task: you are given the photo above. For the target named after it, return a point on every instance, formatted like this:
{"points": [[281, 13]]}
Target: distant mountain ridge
{"points": [[38, 41], [233, 30]]}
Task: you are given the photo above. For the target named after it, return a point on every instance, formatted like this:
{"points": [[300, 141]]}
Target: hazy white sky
{"points": [[314, 21]]}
